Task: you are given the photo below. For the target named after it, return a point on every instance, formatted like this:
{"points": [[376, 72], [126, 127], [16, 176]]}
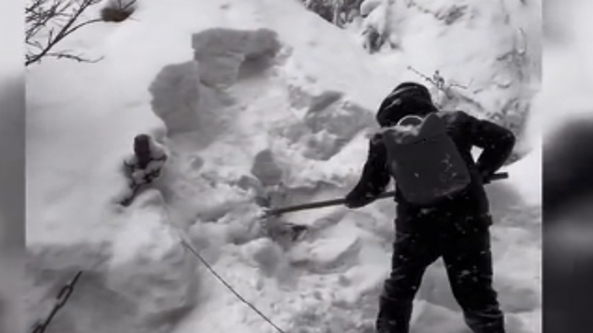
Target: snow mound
{"points": [[222, 52], [137, 278]]}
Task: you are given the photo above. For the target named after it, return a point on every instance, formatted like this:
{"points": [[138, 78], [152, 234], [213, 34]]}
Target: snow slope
{"points": [[450, 37], [249, 96]]}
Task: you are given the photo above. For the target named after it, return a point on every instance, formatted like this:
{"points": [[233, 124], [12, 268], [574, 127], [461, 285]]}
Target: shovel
{"points": [[336, 202]]}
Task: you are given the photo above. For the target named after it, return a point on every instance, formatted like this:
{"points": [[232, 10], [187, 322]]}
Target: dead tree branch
{"points": [[439, 81], [49, 22]]}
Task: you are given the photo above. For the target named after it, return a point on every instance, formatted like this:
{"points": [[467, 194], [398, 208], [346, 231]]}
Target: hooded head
{"points": [[142, 149], [408, 98]]}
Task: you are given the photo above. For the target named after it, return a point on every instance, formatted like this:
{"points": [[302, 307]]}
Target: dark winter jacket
{"points": [[465, 130]]}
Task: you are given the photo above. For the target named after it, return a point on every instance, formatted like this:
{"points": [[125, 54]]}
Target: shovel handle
{"points": [[335, 202], [498, 176]]}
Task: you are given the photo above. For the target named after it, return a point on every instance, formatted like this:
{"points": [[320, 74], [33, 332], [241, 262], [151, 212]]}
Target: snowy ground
{"points": [[220, 83]]}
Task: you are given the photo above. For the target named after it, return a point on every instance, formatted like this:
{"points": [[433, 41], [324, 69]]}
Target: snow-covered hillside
{"points": [[250, 95]]}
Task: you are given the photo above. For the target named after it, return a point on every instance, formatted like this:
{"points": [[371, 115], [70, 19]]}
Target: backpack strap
{"points": [[417, 120]]}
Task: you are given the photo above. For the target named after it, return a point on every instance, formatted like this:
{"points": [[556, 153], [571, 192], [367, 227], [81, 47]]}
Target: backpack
{"points": [[424, 160]]}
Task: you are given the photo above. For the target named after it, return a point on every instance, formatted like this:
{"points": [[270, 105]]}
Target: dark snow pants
{"points": [[464, 244]]}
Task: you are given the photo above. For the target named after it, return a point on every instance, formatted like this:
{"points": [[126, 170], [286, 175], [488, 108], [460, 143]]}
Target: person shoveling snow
{"points": [[143, 166], [442, 207]]}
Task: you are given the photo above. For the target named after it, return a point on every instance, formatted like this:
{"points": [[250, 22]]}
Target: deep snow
{"points": [[236, 86]]}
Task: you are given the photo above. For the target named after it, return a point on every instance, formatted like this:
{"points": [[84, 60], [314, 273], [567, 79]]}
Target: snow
{"points": [[230, 86]]}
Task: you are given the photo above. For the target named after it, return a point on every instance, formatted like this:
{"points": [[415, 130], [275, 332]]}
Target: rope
{"points": [[61, 299], [227, 285]]}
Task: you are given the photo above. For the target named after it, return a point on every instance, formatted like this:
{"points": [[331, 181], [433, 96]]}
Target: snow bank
{"points": [[250, 97], [137, 274], [448, 37]]}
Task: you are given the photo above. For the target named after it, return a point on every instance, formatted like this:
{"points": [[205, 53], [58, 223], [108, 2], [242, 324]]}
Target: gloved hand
{"points": [[486, 177]]}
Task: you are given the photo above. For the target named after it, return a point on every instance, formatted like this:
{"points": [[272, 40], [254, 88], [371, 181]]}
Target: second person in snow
{"points": [[143, 166]]}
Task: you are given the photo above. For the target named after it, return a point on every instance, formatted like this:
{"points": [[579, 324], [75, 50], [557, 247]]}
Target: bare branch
{"points": [[78, 58], [439, 81], [53, 21]]}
